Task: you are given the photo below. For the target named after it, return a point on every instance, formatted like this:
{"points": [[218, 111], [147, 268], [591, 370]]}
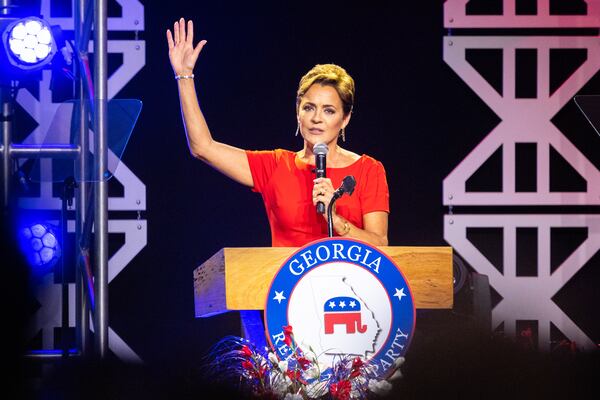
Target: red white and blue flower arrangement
{"points": [[261, 374]]}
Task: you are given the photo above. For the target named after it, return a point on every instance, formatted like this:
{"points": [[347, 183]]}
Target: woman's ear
{"points": [[347, 119]]}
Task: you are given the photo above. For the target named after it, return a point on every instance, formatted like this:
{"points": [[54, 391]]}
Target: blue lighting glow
{"points": [[41, 246], [29, 43]]}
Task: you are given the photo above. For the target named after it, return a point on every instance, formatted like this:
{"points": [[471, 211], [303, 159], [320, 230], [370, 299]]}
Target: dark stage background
{"points": [[412, 112], [408, 106]]}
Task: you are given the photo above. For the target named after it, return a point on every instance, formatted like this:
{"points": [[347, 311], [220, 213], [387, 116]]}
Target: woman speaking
{"points": [[286, 179]]}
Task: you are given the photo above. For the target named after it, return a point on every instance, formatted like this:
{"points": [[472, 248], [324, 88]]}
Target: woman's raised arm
{"points": [[229, 160]]}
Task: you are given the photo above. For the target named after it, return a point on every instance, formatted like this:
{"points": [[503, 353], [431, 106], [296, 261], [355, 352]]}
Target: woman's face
{"points": [[321, 115]]}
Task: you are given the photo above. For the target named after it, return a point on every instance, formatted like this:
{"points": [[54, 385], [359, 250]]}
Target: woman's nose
{"points": [[316, 116]]}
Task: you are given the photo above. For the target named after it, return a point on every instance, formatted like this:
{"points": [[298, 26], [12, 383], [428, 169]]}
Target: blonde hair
{"points": [[330, 75]]}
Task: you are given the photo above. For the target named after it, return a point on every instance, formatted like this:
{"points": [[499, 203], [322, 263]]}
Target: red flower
{"points": [[354, 373], [246, 352], [341, 390], [252, 370], [247, 365], [287, 332], [263, 371], [356, 364], [295, 375], [304, 363]]}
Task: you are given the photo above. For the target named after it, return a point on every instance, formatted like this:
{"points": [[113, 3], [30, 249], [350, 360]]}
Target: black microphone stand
{"points": [[329, 209], [348, 184]]}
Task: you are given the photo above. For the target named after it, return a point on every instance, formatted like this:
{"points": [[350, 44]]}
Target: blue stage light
{"points": [[41, 246], [29, 43]]}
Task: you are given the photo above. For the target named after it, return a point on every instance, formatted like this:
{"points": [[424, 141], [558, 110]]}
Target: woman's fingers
{"points": [[176, 31], [318, 191], [324, 181], [182, 30], [323, 185], [323, 192], [198, 48], [181, 35], [182, 53], [190, 32], [170, 39], [325, 198]]}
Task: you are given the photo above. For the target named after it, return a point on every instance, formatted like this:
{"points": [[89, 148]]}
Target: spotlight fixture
{"points": [[28, 43], [41, 246]]}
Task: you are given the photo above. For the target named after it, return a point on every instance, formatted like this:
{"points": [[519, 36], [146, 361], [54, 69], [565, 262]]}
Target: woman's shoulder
{"points": [[284, 153], [348, 159], [276, 154], [367, 161]]}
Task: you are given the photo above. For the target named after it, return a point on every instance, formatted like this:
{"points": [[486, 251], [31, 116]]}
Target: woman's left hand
{"points": [[323, 192]]}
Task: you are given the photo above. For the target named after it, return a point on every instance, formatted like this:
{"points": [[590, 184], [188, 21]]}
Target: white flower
{"points": [[369, 369], [293, 396], [312, 357], [398, 362], [379, 387], [301, 347], [279, 383], [317, 389], [395, 376], [360, 380], [259, 358], [273, 358], [283, 365], [313, 372]]}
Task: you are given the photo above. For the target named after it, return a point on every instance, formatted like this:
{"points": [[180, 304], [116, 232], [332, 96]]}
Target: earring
{"points": [[297, 130], [343, 134]]}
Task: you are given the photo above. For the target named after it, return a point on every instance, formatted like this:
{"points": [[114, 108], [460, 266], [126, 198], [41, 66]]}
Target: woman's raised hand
{"points": [[182, 53]]}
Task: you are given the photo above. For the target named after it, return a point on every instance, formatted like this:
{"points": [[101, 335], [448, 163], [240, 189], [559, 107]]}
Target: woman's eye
{"points": [[330, 111], [307, 108]]}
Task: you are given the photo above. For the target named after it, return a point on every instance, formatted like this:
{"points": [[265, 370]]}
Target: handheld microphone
{"points": [[320, 151]]}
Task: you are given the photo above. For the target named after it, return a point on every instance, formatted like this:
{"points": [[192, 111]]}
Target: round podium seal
{"points": [[342, 297]]}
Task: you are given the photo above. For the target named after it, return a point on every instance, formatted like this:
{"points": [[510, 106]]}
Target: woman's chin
{"points": [[314, 139]]}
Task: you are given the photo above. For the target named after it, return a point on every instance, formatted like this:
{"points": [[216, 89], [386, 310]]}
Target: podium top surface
{"points": [[239, 278]]}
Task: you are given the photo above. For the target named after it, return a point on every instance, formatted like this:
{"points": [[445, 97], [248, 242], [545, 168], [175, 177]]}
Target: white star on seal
{"points": [[342, 304], [332, 304], [279, 296], [399, 293], [352, 304]]}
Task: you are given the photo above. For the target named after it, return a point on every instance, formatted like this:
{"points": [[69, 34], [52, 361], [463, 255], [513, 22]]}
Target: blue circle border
{"points": [[388, 274]]}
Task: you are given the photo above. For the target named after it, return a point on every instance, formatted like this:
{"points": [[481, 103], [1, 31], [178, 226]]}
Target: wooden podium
{"points": [[237, 279]]}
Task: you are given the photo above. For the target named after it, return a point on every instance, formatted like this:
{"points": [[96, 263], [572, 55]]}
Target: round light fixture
{"points": [[29, 43], [41, 246]]}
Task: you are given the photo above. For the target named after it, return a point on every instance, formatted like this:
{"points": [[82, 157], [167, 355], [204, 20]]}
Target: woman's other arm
{"points": [[375, 223], [375, 228]]}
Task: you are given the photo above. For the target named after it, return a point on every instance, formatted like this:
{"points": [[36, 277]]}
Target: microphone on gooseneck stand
{"points": [[320, 151], [347, 186]]}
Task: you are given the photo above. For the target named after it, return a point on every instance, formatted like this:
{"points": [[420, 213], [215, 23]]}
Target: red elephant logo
{"points": [[343, 311]]}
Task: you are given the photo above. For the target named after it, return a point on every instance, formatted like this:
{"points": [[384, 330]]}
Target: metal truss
{"points": [[42, 109], [523, 120]]}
